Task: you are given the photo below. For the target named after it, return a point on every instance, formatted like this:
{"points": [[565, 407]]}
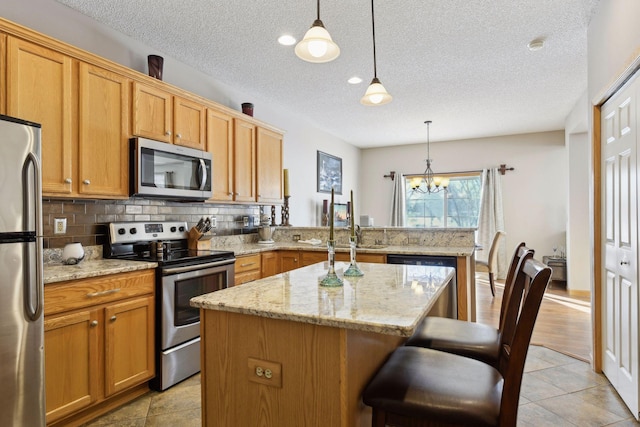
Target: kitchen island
{"points": [[284, 351]]}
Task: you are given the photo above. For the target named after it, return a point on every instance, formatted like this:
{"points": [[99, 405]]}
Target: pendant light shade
{"points": [[317, 45], [376, 94]]}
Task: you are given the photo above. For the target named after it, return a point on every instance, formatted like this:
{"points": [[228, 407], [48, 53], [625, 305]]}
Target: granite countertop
{"points": [[388, 299], [91, 268], [252, 248]]}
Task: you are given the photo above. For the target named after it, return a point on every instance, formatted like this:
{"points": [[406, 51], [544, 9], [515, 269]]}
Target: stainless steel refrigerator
{"points": [[22, 390]]}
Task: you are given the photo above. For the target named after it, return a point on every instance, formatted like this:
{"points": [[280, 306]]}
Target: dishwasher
{"points": [[447, 304]]}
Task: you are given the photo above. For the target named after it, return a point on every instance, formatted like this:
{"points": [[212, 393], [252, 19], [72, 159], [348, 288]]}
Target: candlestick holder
{"points": [[285, 212], [353, 270], [332, 279], [273, 215]]}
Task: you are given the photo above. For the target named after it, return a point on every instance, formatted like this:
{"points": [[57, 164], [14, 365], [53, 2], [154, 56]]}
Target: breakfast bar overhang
{"points": [[285, 351]]}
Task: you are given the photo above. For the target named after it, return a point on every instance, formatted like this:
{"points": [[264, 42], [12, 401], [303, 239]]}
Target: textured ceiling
{"points": [[464, 64]]}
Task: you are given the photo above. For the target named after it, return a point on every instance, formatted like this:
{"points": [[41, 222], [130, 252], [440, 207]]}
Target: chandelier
{"points": [[428, 183]]}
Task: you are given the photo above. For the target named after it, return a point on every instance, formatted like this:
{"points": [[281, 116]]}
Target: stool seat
{"points": [[469, 339], [427, 384]]}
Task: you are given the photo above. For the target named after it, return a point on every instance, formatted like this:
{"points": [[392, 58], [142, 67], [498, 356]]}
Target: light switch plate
{"points": [[59, 225]]}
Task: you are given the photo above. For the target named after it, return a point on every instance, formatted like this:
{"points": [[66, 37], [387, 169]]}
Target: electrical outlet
{"points": [[256, 220], [59, 225], [214, 222], [245, 221], [264, 372]]}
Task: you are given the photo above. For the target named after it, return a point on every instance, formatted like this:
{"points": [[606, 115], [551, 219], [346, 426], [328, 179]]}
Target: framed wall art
{"points": [[329, 173]]}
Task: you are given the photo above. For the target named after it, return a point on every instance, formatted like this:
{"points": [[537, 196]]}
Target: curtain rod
{"points": [[502, 169]]}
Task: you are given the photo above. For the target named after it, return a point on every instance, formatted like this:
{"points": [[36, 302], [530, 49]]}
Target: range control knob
{"points": [[121, 231], [173, 229], [133, 231], [181, 229]]}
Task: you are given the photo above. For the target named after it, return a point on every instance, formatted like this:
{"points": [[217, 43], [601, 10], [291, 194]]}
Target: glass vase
{"points": [[332, 278], [353, 270]]}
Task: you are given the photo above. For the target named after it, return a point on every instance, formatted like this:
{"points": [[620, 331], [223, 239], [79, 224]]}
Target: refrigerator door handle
{"points": [[33, 311]]}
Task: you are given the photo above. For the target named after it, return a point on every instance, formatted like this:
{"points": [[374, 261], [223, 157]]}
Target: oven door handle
{"points": [[176, 270]]}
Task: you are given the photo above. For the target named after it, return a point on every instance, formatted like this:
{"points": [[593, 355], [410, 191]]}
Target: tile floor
{"points": [[557, 390]]}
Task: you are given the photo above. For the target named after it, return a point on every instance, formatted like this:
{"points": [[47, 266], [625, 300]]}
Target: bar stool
{"points": [[469, 339], [425, 387]]}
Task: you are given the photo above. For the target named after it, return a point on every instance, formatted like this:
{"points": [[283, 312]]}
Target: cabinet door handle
{"points": [[93, 323], [168, 133], [86, 182], [247, 264], [113, 318], [103, 293], [68, 181], [178, 135]]}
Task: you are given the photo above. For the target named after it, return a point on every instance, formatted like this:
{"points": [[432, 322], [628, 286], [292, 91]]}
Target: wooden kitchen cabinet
{"points": [[39, 87], [269, 166], [189, 118], [220, 145], [152, 113], [289, 260], [103, 117], [270, 263], [244, 181], [162, 116], [99, 343], [84, 149], [247, 160], [248, 268]]}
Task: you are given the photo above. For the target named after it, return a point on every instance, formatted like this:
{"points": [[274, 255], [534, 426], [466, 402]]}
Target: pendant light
{"points": [[317, 45], [376, 94], [429, 183]]}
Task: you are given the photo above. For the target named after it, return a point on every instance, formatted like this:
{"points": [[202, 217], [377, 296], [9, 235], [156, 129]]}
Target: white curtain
{"points": [[491, 218], [397, 201]]}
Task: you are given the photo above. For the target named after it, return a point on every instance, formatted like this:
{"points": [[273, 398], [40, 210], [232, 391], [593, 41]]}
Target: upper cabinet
{"points": [[40, 89], [83, 111], [245, 161], [220, 145], [161, 116], [89, 107], [269, 166], [103, 160]]}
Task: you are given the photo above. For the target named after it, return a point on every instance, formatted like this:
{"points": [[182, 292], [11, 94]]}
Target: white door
{"points": [[620, 239]]}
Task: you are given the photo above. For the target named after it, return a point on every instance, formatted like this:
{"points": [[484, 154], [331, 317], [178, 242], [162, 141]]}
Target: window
{"points": [[458, 207]]}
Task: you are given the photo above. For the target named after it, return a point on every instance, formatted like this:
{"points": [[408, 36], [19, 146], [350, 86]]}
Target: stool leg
{"points": [[493, 286], [378, 418]]}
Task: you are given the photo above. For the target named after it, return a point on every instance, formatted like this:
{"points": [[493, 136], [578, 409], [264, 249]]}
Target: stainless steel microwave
{"points": [[168, 171]]}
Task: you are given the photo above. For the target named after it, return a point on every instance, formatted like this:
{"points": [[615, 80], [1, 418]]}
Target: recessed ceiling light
{"points": [[355, 80], [535, 44], [286, 40]]}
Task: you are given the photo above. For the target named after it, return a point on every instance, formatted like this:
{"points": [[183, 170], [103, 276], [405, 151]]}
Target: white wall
{"points": [[301, 139], [535, 194], [613, 44]]}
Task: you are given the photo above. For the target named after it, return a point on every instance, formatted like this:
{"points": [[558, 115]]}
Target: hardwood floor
{"points": [[563, 323]]}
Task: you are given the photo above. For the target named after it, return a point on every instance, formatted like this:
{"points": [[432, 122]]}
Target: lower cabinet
{"points": [[289, 260], [270, 263], [248, 268], [99, 343]]}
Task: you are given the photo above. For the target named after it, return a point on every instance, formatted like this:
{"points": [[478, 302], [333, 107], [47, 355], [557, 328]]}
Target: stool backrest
{"points": [[519, 253], [532, 278]]}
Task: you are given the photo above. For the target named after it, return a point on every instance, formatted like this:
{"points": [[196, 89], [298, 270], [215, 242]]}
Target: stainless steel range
{"points": [[181, 275]]}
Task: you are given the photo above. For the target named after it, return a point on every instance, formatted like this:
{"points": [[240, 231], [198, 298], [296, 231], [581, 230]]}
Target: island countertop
{"points": [[388, 299]]}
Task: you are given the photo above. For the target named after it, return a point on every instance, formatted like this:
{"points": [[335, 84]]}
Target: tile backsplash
{"points": [[87, 220]]}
